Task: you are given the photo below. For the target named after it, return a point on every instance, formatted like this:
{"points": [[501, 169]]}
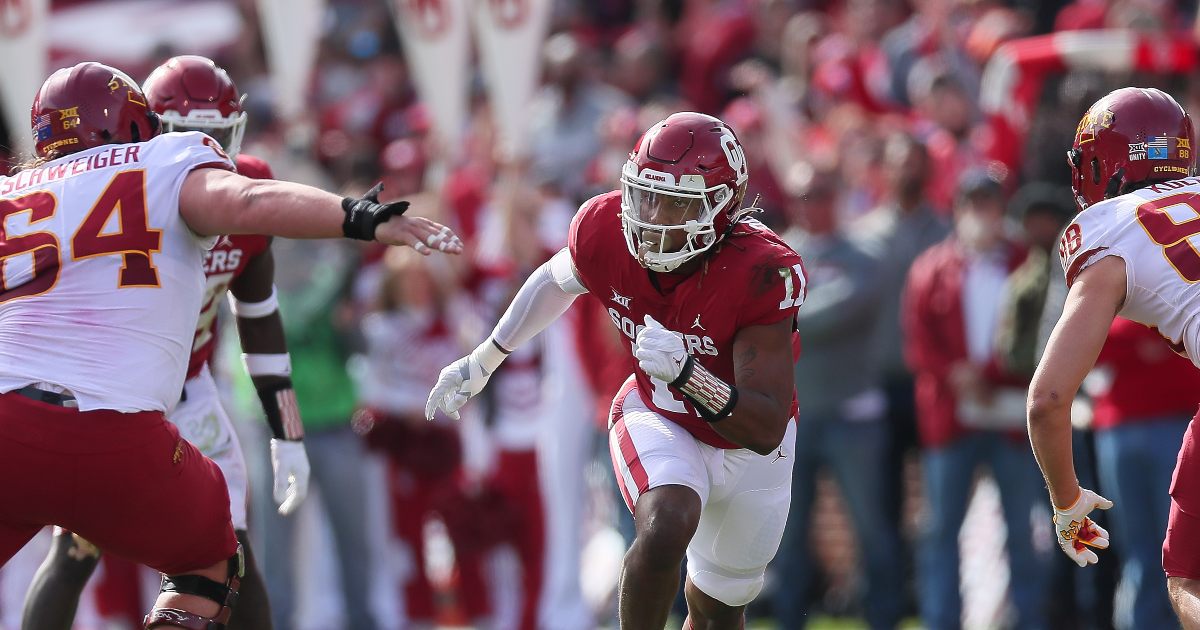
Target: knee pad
{"points": [[729, 588], [224, 594]]}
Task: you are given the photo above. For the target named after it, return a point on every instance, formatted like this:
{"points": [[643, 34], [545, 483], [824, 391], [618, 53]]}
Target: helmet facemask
{"points": [[226, 130], [665, 223]]}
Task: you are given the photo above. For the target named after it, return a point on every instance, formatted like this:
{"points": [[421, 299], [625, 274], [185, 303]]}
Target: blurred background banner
{"points": [[101, 31], [291, 32], [510, 35], [434, 34], [23, 49]]}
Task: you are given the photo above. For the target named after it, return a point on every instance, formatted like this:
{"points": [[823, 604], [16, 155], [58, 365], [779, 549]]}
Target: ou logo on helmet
{"points": [[15, 17], [735, 155]]}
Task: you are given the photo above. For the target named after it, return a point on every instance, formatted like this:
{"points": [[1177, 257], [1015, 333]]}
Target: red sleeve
{"points": [[585, 240], [923, 343], [254, 168], [775, 292]]}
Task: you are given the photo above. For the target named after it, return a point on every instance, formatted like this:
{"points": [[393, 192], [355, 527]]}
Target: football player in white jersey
{"points": [[1132, 251], [101, 247], [191, 93]]}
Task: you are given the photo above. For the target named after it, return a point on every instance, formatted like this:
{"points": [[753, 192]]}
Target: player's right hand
{"points": [[457, 383], [1076, 533], [420, 233]]}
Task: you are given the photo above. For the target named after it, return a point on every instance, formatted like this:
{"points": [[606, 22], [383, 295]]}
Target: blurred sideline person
{"points": [[97, 319], [408, 335], [968, 404], [191, 93], [702, 433], [842, 425], [314, 281], [895, 233], [1129, 252]]}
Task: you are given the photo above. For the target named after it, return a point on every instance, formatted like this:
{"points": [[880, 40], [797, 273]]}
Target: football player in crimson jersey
{"points": [[191, 93], [98, 318], [700, 435], [1131, 251]]}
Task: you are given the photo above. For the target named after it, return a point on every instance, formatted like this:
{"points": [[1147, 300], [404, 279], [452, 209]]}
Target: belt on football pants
{"points": [[50, 398]]}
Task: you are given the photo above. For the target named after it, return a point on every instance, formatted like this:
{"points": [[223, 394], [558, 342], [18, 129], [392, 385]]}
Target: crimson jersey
{"points": [[224, 262], [753, 279]]}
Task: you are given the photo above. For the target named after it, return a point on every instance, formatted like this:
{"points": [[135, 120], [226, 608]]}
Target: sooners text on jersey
{"points": [[753, 279], [224, 262], [1156, 231]]}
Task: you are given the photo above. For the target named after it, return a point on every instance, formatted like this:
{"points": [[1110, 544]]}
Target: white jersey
{"points": [[100, 278], [1156, 231]]}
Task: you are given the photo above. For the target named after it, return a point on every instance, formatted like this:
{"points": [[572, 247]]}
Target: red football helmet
{"points": [[687, 175], [192, 93], [1131, 136], [89, 105]]}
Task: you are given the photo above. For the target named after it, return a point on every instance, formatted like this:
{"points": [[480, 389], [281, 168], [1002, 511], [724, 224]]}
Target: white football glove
{"points": [[1076, 532], [289, 461], [462, 379], [661, 353]]}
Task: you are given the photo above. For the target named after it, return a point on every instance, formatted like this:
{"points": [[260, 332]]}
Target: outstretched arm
{"points": [[214, 201], [545, 296]]}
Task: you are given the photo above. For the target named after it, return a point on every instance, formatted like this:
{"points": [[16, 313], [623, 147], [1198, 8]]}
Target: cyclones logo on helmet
{"points": [[1128, 137], [89, 105], [687, 157], [193, 93]]}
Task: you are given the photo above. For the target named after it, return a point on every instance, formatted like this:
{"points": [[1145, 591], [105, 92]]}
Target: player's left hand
{"points": [[1077, 534], [289, 461], [661, 353], [421, 234]]}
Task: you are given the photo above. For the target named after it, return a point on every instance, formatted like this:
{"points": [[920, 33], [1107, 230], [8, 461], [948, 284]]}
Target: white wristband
{"points": [[489, 355], [268, 364], [252, 310]]}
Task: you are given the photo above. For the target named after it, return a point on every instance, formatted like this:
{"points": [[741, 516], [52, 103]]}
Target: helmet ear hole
{"points": [[1116, 183], [1095, 171]]}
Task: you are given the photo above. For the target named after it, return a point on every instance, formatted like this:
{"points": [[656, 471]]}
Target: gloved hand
{"points": [[660, 352], [1076, 532], [368, 219], [462, 379], [289, 462]]}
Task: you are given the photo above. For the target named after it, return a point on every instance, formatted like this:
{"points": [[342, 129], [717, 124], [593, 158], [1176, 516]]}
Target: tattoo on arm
{"points": [[743, 360]]}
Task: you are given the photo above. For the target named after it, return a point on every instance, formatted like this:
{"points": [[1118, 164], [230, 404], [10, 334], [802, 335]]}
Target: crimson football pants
{"points": [[1181, 548], [124, 481], [516, 478]]}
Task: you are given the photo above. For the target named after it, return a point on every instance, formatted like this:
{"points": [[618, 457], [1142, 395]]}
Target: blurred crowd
{"points": [[931, 250]]}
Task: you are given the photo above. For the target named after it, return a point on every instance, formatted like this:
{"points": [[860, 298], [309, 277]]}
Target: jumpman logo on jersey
{"points": [[696, 324], [223, 240], [619, 299], [779, 455]]}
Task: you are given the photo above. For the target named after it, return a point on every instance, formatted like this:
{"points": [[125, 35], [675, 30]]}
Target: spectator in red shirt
{"points": [[969, 411], [1144, 396]]}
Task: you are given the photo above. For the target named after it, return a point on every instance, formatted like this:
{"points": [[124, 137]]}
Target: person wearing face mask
{"points": [[969, 408]]}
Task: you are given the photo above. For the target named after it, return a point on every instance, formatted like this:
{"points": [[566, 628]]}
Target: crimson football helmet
{"points": [[686, 176], [89, 105], [1131, 136], [193, 93]]}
